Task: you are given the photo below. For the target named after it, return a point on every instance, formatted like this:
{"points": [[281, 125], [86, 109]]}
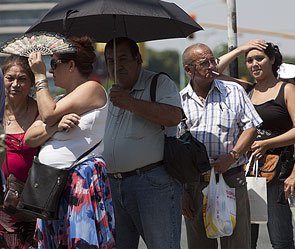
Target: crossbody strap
{"points": [[153, 88], [84, 154]]}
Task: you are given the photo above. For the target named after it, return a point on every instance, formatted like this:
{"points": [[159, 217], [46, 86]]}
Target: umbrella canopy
{"points": [[140, 20]]}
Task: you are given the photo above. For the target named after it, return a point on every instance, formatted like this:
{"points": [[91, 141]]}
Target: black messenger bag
{"points": [[185, 158]]}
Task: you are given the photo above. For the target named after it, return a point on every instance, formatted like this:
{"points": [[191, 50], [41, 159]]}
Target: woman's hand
{"points": [[289, 185], [68, 122], [259, 148], [37, 65], [253, 44]]}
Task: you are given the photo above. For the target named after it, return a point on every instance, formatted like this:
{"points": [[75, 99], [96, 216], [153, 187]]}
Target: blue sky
{"points": [[269, 15]]}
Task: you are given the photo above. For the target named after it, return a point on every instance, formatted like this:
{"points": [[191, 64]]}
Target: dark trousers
{"points": [[279, 224], [196, 234]]}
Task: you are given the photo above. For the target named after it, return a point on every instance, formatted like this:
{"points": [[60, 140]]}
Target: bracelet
{"points": [[41, 85], [38, 88], [37, 82], [235, 154]]}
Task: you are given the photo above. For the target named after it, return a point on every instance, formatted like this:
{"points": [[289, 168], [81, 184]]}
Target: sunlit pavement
{"points": [[263, 241]]}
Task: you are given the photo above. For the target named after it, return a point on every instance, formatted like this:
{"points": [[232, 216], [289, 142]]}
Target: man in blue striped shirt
{"points": [[220, 115]]}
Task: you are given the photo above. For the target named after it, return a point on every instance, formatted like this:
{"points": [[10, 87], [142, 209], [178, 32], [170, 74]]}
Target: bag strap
{"points": [[84, 154], [153, 88]]}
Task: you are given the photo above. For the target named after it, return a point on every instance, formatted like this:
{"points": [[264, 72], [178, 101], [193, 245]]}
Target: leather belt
{"points": [[139, 171], [230, 172]]}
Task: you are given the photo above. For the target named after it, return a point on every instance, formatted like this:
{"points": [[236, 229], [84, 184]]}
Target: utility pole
{"points": [[232, 35], [181, 72]]}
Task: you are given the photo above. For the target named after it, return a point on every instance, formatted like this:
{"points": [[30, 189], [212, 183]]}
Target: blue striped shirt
{"points": [[226, 113]]}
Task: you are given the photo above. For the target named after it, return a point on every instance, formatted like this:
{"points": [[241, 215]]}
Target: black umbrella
{"points": [[140, 20]]}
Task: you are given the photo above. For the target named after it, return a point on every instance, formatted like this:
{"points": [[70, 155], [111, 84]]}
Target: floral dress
{"points": [[86, 217]]}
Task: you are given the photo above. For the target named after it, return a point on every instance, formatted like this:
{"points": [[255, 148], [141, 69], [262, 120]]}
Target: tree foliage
{"points": [[166, 61]]}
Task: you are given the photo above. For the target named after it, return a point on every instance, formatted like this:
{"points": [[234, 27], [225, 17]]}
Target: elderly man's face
{"points": [[202, 64], [128, 67]]}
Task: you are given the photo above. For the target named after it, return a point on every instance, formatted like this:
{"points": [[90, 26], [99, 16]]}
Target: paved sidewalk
{"points": [[263, 241]]}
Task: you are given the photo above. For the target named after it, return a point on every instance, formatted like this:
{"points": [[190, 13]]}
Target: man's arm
{"points": [[163, 114], [159, 113], [245, 140], [223, 162], [244, 83]]}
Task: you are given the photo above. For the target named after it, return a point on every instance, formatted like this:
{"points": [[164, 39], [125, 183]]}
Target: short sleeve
{"points": [[167, 92], [249, 116]]}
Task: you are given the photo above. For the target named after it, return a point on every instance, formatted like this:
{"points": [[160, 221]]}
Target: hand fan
{"points": [[46, 43]]}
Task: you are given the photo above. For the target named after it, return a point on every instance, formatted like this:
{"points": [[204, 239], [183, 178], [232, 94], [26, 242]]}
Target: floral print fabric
{"points": [[86, 217]]}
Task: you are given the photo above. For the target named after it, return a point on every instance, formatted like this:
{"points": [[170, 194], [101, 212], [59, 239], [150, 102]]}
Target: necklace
{"points": [[11, 118]]}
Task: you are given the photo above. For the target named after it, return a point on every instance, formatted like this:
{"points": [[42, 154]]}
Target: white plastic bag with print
{"points": [[219, 208]]}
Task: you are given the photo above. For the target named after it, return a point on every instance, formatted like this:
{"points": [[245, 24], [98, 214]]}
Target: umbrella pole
{"points": [[114, 50], [115, 60]]}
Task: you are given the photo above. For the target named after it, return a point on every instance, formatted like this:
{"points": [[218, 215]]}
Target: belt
{"points": [[230, 172], [139, 171]]}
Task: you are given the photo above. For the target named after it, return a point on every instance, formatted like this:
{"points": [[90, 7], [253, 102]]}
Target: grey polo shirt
{"points": [[130, 141]]}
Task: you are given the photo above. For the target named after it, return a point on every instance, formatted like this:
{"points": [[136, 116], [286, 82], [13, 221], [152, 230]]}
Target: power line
{"points": [[250, 30]]}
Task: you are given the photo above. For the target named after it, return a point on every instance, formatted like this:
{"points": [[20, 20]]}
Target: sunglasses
{"points": [[54, 63]]}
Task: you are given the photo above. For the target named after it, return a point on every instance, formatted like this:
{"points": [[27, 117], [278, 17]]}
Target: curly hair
{"points": [[16, 60], [273, 51], [84, 56]]}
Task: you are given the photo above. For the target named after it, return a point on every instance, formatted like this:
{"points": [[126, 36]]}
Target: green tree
{"points": [[166, 61]]}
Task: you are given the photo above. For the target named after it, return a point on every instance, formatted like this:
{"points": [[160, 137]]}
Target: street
{"points": [[263, 241]]}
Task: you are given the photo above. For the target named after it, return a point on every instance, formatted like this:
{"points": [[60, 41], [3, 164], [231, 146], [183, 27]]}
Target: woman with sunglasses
{"points": [[68, 127], [274, 100], [20, 113]]}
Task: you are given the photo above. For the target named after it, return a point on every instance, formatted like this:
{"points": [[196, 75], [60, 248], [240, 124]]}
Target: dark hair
{"points": [[84, 56], [121, 40], [273, 51], [21, 61]]}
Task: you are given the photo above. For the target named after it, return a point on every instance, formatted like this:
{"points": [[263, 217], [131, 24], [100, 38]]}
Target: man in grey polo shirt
{"points": [[147, 201]]}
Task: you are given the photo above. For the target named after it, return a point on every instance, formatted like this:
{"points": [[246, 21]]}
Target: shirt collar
{"points": [[216, 84], [140, 84]]}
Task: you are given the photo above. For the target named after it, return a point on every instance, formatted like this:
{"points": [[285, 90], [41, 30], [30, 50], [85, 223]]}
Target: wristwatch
{"points": [[234, 154]]}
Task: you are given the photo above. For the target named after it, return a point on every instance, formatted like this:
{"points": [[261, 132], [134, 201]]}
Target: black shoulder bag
{"points": [[185, 158], [43, 189]]}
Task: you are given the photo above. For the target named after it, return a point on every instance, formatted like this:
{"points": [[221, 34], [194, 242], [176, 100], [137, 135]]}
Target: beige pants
{"points": [[240, 239]]}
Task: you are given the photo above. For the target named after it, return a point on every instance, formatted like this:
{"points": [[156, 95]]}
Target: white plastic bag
{"points": [[219, 208], [257, 194]]}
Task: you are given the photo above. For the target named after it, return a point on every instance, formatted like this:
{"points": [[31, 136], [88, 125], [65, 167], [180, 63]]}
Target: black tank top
{"points": [[275, 117], [274, 114]]}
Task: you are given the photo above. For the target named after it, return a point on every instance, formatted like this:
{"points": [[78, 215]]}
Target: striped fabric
{"points": [[227, 112]]}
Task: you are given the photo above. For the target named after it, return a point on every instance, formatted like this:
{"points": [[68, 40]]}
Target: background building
{"points": [[16, 16]]}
